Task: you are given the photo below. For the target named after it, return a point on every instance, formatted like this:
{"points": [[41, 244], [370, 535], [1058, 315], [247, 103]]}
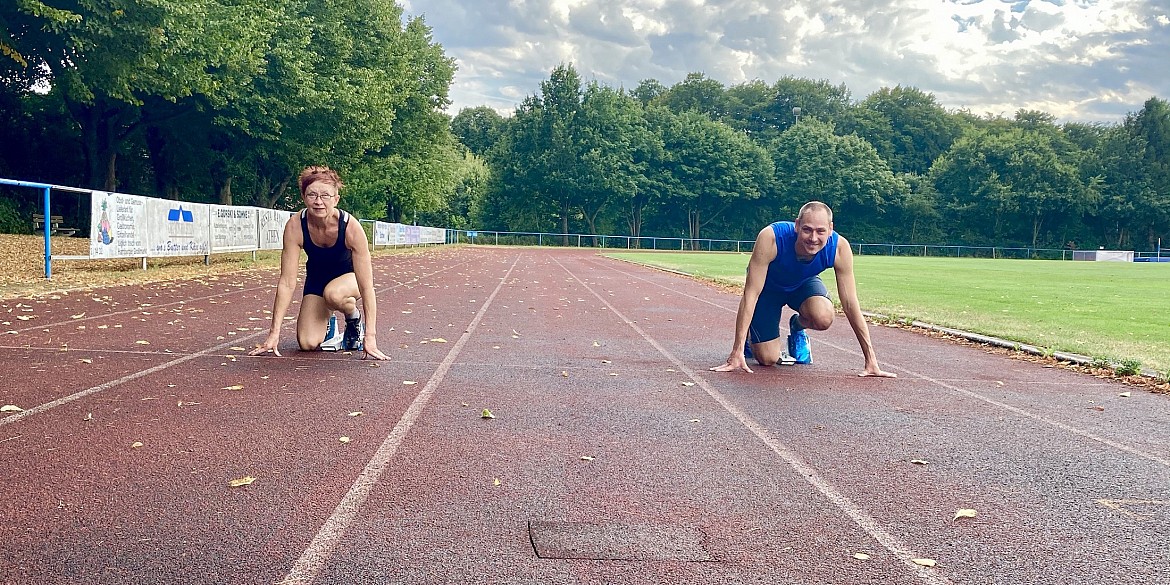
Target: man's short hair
{"points": [[812, 206]]}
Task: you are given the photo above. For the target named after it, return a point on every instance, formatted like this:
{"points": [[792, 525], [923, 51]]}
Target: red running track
{"points": [[614, 456]]}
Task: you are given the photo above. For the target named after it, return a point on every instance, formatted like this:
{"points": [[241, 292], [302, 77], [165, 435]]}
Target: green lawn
{"points": [[1111, 310]]}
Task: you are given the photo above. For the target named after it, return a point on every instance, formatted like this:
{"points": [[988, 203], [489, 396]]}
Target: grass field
{"points": [[1109, 310]]}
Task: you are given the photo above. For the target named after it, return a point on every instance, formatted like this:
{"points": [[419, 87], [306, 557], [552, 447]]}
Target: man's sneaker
{"points": [[333, 336], [355, 333], [798, 342]]}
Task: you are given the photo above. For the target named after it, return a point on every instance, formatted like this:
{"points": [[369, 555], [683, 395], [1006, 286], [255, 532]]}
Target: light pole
{"points": [[796, 112]]}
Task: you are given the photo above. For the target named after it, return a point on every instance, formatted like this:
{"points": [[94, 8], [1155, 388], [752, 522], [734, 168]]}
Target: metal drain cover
{"points": [[617, 542]]}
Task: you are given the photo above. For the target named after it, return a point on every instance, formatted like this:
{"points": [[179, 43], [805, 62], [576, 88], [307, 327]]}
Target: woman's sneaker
{"points": [[798, 342], [355, 332], [333, 336]]}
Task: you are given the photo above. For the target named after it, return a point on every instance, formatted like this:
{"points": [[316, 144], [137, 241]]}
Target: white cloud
{"points": [[1076, 59]]}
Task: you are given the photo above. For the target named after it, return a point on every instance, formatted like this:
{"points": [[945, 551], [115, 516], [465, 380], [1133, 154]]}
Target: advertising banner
{"points": [[177, 228], [234, 228], [117, 225], [271, 223]]}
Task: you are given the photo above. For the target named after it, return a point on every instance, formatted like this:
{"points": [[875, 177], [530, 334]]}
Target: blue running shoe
{"points": [[798, 342], [333, 336], [355, 334]]}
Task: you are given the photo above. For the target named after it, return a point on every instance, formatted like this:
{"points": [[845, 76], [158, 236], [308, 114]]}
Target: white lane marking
{"points": [[802, 468], [95, 389], [969, 393], [186, 358], [309, 565]]}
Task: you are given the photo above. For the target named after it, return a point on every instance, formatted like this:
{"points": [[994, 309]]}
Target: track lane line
{"points": [[183, 359], [308, 567], [968, 393], [806, 471]]}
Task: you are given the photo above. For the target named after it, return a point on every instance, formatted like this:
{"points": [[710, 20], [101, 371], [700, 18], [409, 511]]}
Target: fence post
{"points": [[48, 250]]}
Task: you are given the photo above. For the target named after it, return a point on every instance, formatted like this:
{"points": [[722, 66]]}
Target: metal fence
{"points": [[498, 238]]}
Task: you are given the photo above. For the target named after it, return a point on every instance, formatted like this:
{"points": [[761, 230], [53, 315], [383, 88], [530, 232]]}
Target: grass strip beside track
{"points": [[1110, 310]]}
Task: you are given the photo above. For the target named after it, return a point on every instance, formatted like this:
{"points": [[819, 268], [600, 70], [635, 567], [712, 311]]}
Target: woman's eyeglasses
{"points": [[319, 196]]}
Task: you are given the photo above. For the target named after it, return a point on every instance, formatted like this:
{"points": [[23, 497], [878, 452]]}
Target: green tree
{"points": [[1010, 184], [711, 167], [477, 128], [845, 172], [919, 128]]}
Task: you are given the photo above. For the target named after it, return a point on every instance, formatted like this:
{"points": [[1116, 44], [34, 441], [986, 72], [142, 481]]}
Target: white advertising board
{"points": [[382, 233], [234, 228], [177, 228], [117, 225], [271, 223]]}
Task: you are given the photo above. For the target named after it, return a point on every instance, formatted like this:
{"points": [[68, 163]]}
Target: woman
{"points": [[337, 274]]}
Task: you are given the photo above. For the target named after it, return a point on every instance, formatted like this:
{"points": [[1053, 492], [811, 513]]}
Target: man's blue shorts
{"points": [[766, 320]]}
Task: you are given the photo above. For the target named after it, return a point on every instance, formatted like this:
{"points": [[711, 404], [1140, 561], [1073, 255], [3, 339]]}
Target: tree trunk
{"points": [[225, 191]]}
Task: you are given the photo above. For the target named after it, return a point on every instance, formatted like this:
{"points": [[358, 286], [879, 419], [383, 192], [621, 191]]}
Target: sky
{"points": [[1079, 60]]}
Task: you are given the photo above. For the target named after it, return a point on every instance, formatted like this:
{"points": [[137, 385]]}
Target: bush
{"points": [[12, 221]]}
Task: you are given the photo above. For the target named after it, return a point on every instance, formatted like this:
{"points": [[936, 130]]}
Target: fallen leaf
{"points": [[77, 316], [587, 458], [88, 416], [924, 562], [409, 382], [564, 374], [236, 387], [496, 481], [998, 383], [11, 408], [438, 340], [861, 556], [243, 481], [1124, 395], [606, 362], [344, 439], [919, 462], [486, 414], [695, 420], [595, 344], [963, 513], [688, 384], [86, 361], [237, 348], [142, 342], [613, 373], [136, 444], [356, 413]]}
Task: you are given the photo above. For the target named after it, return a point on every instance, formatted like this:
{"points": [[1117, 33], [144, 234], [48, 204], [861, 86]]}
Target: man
{"points": [[337, 274], [783, 270]]}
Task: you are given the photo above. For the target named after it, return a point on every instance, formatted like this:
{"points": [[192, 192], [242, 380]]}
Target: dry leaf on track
{"points": [[486, 414], [964, 513], [235, 387], [11, 408], [243, 481], [861, 556], [924, 562]]}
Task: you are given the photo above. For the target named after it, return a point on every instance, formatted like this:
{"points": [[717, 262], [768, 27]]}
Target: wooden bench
{"points": [[54, 225]]}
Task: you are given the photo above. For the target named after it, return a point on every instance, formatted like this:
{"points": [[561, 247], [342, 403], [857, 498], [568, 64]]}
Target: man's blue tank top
{"points": [[786, 273]]}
